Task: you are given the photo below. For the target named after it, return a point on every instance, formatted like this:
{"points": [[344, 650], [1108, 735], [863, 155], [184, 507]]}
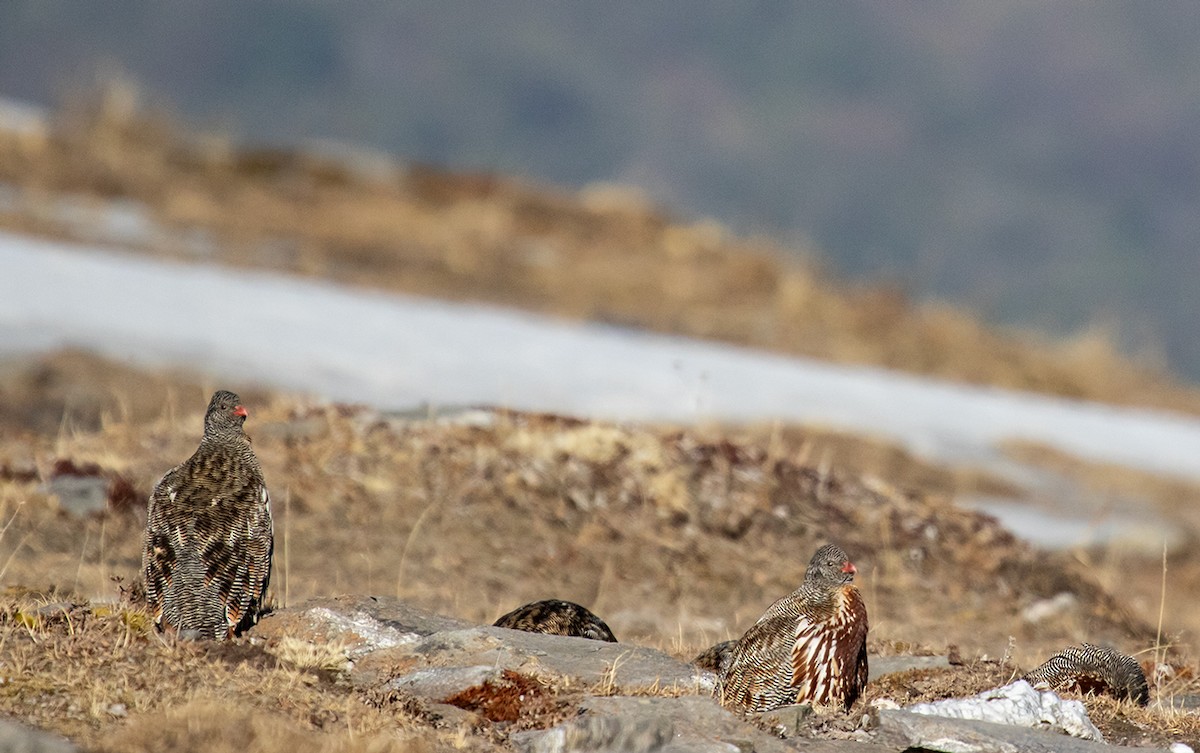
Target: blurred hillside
{"points": [[106, 171], [1035, 162]]}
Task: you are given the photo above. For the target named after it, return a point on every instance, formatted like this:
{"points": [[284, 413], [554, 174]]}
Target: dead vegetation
{"points": [[670, 535], [677, 537], [602, 255], [103, 677]]}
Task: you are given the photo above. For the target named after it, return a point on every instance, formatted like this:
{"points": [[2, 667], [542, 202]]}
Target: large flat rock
{"points": [[366, 623], [688, 724], [633, 699], [905, 730], [607, 667], [436, 656]]}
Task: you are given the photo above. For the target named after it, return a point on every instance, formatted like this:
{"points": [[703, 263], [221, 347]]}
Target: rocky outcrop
{"points": [[605, 696]]}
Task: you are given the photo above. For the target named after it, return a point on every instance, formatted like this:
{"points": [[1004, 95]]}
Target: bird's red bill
{"points": [[849, 568], [240, 411]]}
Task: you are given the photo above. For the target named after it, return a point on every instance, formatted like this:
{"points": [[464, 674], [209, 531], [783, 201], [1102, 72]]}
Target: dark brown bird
{"points": [[557, 617], [209, 540], [809, 647], [715, 658], [1093, 669]]}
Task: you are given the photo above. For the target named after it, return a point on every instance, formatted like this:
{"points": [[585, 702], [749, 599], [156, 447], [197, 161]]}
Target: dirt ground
{"points": [[678, 538]]}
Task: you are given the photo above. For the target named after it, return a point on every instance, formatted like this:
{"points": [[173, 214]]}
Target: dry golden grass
{"points": [[601, 255], [101, 675], [678, 538]]}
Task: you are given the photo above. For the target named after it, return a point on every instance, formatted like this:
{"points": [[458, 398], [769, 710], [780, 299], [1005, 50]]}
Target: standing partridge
{"points": [[557, 617], [209, 540], [809, 647]]}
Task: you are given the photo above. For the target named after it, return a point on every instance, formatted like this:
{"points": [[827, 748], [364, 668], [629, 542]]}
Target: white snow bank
{"points": [[1018, 704], [399, 352]]}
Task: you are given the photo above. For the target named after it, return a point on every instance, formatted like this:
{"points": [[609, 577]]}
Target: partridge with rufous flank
{"points": [[809, 647]]}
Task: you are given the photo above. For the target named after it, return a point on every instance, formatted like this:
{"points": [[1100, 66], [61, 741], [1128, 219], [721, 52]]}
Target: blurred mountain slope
{"points": [[1037, 162], [106, 171]]}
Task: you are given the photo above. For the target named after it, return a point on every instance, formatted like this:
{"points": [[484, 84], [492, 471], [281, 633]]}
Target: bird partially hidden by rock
{"points": [[557, 617], [209, 538], [809, 647], [1098, 670], [715, 658]]}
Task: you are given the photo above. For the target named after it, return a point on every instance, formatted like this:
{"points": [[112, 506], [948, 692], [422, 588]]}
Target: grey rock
{"points": [[392, 612], [55, 610], [364, 624], [599, 734], [17, 738], [584, 662], [80, 495], [888, 665], [702, 726], [446, 716], [1189, 702], [788, 720], [903, 730], [440, 683]]}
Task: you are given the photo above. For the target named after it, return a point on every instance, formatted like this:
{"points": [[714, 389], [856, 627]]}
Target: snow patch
{"points": [[396, 352], [1018, 704]]}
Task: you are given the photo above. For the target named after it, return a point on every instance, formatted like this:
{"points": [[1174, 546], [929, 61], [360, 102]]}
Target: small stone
{"points": [[787, 720], [118, 710], [886, 665], [80, 495], [1044, 609]]}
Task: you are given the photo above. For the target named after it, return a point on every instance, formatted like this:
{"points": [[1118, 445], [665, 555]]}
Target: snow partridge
{"points": [[809, 647], [1093, 669], [557, 617], [209, 540]]}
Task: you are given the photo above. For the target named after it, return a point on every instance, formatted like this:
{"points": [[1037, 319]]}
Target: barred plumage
{"points": [[809, 647], [1093, 669], [209, 538], [557, 617], [716, 658]]}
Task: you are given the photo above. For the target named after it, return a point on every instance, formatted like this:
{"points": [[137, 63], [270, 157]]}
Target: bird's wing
{"points": [[158, 551], [236, 551], [756, 676]]}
